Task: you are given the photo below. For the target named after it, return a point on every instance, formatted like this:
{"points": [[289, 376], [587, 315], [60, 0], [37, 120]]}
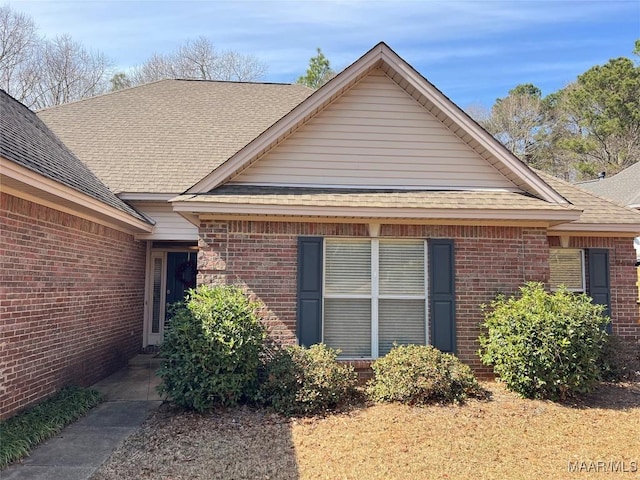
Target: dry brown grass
{"points": [[505, 437]]}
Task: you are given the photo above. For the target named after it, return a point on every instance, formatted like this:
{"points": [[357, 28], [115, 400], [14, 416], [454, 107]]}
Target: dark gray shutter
{"points": [[309, 315], [442, 294], [599, 282]]}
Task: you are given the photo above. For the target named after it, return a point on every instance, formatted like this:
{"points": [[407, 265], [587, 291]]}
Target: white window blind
{"points": [[347, 326], [566, 267], [401, 268], [348, 267], [374, 295], [402, 322]]}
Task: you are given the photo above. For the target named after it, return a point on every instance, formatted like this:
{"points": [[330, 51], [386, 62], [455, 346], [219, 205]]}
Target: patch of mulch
{"points": [[502, 437]]}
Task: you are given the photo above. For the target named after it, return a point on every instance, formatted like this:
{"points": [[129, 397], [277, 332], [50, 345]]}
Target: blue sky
{"points": [[474, 51]]}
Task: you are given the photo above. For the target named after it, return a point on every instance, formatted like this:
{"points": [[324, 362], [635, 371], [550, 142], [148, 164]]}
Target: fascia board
{"points": [[375, 212], [116, 218]]}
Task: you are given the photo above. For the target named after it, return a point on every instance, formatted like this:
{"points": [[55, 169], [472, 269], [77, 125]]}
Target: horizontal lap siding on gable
{"points": [[374, 135], [169, 224], [71, 301], [262, 257]]}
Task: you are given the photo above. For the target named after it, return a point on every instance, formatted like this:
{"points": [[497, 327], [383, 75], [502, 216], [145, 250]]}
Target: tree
{"points": [[198, 59], [517, 121], [602, 111], [69, 72], [318, 73], [40, 72], [18, 42], [119, 81]]}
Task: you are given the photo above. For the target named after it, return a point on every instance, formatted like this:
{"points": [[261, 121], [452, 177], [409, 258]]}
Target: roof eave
{"points": [[554, 217], [24, 183], [597, 229]]}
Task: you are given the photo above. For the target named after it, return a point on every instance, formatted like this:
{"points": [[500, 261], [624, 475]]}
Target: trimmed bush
{"points": [[19, 434], [545, 345], [300, 381], [419, 375], [211, 350]]}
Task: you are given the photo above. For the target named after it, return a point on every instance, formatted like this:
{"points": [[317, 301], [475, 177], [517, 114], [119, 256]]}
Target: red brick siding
{"points": [[262, 257], [622, 272], [71, 301]]}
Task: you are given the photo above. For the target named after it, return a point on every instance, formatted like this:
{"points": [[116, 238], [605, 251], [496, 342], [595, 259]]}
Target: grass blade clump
{"points": [[19, 434]]}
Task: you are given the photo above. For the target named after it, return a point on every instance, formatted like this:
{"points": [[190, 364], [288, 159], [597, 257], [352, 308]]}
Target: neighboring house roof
{"points": [[26, 141], [165, 136], [623, 187], [598, 214]]}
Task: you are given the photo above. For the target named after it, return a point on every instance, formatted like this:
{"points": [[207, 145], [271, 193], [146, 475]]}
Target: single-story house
{"points": [[371, 211]]}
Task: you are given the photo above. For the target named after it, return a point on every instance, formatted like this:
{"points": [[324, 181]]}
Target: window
{"points": [[566, 267], [374, 295]]}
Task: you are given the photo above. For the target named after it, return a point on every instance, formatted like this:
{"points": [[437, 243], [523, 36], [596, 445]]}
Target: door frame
{"points": [[150, 338]]}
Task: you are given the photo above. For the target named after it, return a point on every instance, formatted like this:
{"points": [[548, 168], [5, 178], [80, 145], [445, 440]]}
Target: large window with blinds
{"points": [[566, 267], [374, 295]]}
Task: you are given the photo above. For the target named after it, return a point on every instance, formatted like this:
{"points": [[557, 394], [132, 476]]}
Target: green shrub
{"points": [[419, 375], [211, 350], [544, 345], [296, 380], [21, 433]]}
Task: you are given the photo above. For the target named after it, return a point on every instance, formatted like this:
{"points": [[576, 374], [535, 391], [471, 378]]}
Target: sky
{"points": [[473, 51]]}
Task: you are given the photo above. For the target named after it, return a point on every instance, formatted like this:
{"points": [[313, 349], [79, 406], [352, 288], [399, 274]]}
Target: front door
{"points": [[172, 275]]}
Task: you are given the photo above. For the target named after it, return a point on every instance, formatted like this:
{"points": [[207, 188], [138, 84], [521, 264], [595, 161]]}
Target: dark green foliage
{"points": [[211, 350], [318, 73], [419, 375], [545, 345], [19, 434], [297, 380]]}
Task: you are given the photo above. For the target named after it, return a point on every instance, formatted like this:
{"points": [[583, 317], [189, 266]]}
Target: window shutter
{"points": [[309, 311], [442, 294], [599, 284]]}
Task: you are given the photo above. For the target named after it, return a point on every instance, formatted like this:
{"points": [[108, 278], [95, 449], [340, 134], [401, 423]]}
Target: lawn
{"points": [[502, 438]]}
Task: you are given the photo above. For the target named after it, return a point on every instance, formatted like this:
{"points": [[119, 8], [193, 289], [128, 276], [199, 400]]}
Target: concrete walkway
{"points": [[81, 448]]}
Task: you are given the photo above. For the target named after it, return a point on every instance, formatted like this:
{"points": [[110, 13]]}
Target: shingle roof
{"points": [[164, 136], [27, 141], [348, 197], [623, 187], [595, 209]]}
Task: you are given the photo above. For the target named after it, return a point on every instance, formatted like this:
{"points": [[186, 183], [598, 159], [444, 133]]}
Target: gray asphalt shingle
{"points": [[27, 141], [165, 136]]}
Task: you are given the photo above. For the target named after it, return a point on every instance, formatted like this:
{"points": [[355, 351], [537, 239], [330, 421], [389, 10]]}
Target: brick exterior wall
{"points": [[622, 272], [262, 257], [71, 301]]}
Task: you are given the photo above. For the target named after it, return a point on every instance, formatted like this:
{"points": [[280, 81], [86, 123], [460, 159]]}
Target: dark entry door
{"points": [[172, 275], [181, 275]]}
